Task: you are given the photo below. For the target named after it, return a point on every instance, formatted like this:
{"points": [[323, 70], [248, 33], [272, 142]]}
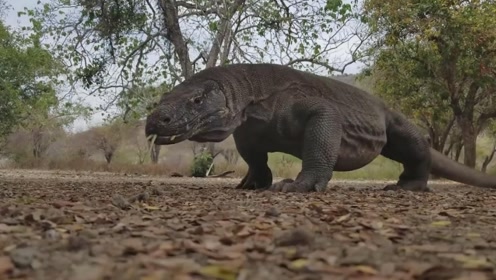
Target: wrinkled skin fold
{"points": [[330, 125]]}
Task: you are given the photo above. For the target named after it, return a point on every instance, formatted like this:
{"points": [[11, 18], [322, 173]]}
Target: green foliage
{"points": [[119, 45], [490, 131], [4, 7], [201, 164], [433, 59], [136, 103], [25, 80], [427, 42]]}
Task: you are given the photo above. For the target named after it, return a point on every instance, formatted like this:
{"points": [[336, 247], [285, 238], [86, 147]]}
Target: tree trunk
{"points": [[448, 150], [155, 153], [488, 159], [444, 135], [175, 36], [108, 156], [469, 146], [37, 138], [458, 151]]}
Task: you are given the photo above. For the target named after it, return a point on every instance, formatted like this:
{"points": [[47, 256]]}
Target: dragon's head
{"points": [[195, 111]]}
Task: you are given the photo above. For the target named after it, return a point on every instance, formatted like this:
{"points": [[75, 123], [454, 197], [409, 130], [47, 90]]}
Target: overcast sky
{"points": [[14, 21]]}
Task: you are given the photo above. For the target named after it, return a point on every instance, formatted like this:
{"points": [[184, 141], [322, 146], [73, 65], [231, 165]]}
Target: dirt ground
{"points": [[68, 225]]}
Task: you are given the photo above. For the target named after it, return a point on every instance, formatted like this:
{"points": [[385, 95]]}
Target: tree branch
{"points": [[313, 61], [213, 55], [174, 34]]}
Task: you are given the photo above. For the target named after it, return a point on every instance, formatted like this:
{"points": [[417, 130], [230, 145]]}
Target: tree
{"points": [[30, 79], [118, 45], [412, 96], [4, 7], [491, 131], [48, 118], [27, 84], [135, 103], [488, 159], [107, 139], [448, 47], [122, 44]]}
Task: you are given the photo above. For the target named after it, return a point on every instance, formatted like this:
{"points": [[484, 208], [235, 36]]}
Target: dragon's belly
{"points": [[360, 145]]}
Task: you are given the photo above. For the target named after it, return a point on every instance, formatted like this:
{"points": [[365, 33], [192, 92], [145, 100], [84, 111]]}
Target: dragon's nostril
{"points": [[166, 120]]}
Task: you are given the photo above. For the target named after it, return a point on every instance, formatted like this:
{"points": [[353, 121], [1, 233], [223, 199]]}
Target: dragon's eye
{"points": [[197, 100]]}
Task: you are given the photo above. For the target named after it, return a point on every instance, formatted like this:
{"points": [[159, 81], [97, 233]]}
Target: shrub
{"points": [[201, 164]]}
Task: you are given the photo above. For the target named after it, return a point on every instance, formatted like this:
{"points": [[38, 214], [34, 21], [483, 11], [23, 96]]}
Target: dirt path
{"points": [[68, 225]]}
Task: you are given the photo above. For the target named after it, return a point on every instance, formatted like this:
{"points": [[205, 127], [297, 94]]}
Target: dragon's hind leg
{"points": [[406, 145]]}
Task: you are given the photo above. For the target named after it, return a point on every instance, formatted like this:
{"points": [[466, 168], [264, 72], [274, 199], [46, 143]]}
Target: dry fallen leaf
{"points": [[9, 248], [438, 272], [472, 275], [365, 269], [149, 208], [121, 202], [235, 234], [6, 265], [176, 264], [132, 246], [61, 203], [219, 272], [299, 264], [87, 272], [10, 229], [372, 224], [441, 223], [294, 237], [76, 243], [244, 232], [470, 262], [343, 218], [433, 248], [473, 235], [79, 219]]}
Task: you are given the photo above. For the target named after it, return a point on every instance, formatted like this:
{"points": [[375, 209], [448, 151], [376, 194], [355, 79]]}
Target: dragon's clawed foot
{"points": [[414, 187], [253, 182], [289, 185]]}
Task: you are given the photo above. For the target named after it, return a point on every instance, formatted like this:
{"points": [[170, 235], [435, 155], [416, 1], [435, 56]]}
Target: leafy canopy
{"points": [[117, 45], [436, 59], [24, 70], [440, 46]]}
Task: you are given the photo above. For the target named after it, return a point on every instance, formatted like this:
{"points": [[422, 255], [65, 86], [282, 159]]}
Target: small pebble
{"points": [[76, 243], [272, 212], [51, 234], [294, 237], [121, 202], [23, 257]]}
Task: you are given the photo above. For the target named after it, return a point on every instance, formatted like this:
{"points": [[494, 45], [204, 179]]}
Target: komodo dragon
{"points": [[328, 124]]}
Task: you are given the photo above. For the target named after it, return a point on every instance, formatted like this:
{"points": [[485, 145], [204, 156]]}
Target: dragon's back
{"points": [[260, 81]]}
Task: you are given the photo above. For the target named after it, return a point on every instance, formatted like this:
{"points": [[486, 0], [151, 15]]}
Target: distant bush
{"points": [[201, 164], [79, 151]]}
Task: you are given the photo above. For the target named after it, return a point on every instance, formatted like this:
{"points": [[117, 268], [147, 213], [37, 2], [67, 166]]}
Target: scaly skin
{"points": [[330, 125]]}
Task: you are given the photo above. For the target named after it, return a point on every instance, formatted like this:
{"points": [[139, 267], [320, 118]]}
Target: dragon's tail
{"points": [[445, 167]]}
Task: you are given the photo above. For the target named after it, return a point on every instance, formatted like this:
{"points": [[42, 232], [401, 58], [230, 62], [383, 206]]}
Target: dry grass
{"points": [[96, 166], [64, 154], [282, 166]]}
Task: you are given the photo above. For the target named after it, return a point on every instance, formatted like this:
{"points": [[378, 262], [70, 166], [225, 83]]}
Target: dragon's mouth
{"points": [[211, 136], [194, 130], [166, 139]]}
